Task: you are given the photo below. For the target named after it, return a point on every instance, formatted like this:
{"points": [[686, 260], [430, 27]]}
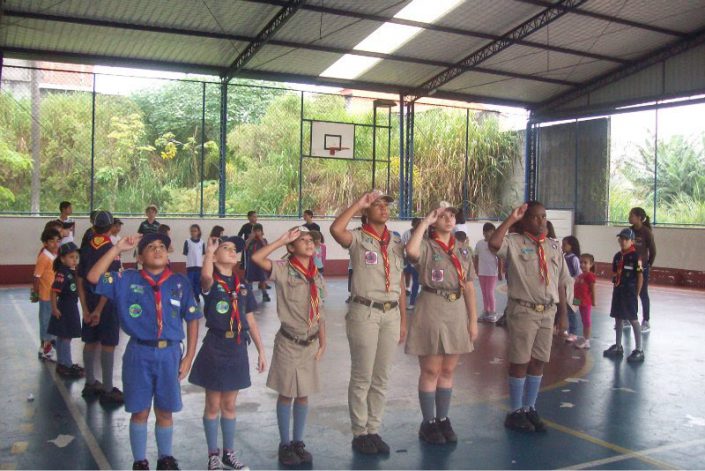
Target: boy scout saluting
{"points": [[376, 320], [537, 276]]}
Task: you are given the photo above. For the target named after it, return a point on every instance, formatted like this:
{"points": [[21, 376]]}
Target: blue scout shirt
{"points": [[65, 288], [96, 247], [628, 277], [218, 306], [136, 308]]}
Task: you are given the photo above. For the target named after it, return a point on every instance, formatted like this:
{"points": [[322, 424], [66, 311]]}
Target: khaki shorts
{"points": [[530, 333]]}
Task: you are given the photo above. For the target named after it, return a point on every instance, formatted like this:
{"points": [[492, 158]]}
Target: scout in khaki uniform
{"points": [[444, 324], [376, 320], [537, 278], [301, 340]]}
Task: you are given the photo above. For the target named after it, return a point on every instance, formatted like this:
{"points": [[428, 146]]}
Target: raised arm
{"points": [[413, 247], [260, 257], [495, 242], [339, 228], [207, 269]]}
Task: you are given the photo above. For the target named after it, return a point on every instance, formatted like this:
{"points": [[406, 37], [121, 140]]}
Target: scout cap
{"points": [[384, 197], [235, 240], [103, 219], [151, 237], [67, 248], [626, 233]]}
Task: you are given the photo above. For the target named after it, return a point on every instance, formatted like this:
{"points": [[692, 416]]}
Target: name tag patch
{"points": [[371, 257], [176, 302], [437, 275], [528, 250], [138, 289]]}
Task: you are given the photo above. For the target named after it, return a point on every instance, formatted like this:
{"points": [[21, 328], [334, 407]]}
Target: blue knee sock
{"points": [[516, 392], [443, 396], [228, 428], [283, 420], [300, 413], [164, 440], [427, 400], [531, 392], [211, 428], [63, 351], [138, 440]]}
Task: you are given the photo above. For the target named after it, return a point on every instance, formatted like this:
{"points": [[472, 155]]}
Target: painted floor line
{"points": [[650, 451], [92, 443]]}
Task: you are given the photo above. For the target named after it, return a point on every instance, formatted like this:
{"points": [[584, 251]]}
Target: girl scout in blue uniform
{"points": [[301, 340], [65, 322], [222, 365], [151, 304]]}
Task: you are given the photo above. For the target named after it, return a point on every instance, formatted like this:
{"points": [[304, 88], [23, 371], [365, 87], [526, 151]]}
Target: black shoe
{"points": [[381, 446], [363, 444], [300, 450], [502, 321], [144, 464], [615, 351], [91, 391], [265, 297], [447, 430], [167, 462], [287, 456], [518, 421], [113, 398], [636, 356], [533, 416], [431, 433], [231, 460]]}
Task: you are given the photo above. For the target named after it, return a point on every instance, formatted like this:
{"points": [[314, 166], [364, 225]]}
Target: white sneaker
{"points": [[645, 327], [583, 343]]}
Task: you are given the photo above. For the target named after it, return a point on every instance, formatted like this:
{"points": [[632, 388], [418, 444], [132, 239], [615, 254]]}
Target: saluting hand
{"points": [[213, 244], [290, 236], [433, 216], [519, 212], [368, 198], [129, 242]]}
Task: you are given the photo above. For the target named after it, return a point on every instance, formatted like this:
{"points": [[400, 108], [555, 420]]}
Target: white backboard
{"points": [[332, 140]]}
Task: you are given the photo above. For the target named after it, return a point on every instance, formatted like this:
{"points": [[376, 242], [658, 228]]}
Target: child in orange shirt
{"points": [[41, 288]]}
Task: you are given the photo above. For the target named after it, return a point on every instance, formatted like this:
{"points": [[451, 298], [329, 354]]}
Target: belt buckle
{"points": [[540, 307], [452, 297], [386, 306], [162, 343], [229, 334]]}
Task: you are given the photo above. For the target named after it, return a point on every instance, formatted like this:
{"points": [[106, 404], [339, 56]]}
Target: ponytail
{"points": [[58, 264], [589, 257], [641, 214]]}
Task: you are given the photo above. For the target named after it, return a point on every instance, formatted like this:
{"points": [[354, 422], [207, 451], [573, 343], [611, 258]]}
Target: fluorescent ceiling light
{"points": [[389, 37]]}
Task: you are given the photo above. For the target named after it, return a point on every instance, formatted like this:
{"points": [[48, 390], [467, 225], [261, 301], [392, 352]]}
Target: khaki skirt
{"points": [[438, 327], [294, 369]]}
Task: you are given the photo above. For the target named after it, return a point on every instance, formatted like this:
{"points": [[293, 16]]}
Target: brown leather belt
{"points": [[384, 307], [297, 340], [451, 296], [534, 306]]}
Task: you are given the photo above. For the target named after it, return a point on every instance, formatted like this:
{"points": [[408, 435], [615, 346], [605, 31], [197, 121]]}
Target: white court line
{"points": [[626, 456], [86, 432]]}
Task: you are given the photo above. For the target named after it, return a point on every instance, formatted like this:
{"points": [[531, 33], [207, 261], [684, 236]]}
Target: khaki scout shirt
{"points": [[524, 280], [294, 299], [436, 269], [368, 267]]}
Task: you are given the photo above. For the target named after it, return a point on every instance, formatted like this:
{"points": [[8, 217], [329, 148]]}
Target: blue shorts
{"points": [[107, 332], [151, 374]]}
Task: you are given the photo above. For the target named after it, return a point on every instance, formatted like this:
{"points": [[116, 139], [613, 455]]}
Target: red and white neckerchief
{"points": [[383, 240], [233, 294], [309, 273], [156, 285], [620, 265], [543, 266], [453, 258]]}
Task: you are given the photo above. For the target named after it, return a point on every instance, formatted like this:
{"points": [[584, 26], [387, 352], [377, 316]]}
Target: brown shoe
{"points": [[300, 450], [518, 421], [431, 433], [363, 444], [287, 456], [447, 430]]}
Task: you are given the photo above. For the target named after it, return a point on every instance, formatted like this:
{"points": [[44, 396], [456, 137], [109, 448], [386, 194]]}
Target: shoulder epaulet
{"points": [[99, 241]]}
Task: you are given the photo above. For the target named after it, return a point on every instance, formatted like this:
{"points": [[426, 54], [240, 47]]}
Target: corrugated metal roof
{"points": [[208, 35]]}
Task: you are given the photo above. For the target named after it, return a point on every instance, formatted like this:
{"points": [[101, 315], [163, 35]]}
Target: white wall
{"points": [[677, 248]]}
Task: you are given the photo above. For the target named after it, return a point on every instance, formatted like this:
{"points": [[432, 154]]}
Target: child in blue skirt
{"points": [[222, 365]]}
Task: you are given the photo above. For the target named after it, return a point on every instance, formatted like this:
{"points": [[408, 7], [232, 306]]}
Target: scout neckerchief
{"points": [[543, 266], [620, 265], [233, 294], [383, 246], [156, 285], [453, 258], [310, 275]]}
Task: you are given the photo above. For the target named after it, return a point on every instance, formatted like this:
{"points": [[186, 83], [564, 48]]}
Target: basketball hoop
{"points": [[333, 150]]}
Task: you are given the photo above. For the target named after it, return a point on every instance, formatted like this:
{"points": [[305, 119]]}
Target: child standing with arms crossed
{"points": [[537, 278], [301, 340], [65, 322], [489, 270], [628, 279], [151, 304], [442, 327], [584, 297], [222, 365]]}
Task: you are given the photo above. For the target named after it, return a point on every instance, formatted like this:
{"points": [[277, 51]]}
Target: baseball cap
{"points": [[237, 241], [118, 221], [103, 219], [67, 248], [626, 233], [151, 237], [384, 197]]}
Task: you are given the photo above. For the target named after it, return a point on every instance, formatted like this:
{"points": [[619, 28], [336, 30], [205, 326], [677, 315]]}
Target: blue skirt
{"points": [[625, 303], [69, 325], [221, 364]]}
